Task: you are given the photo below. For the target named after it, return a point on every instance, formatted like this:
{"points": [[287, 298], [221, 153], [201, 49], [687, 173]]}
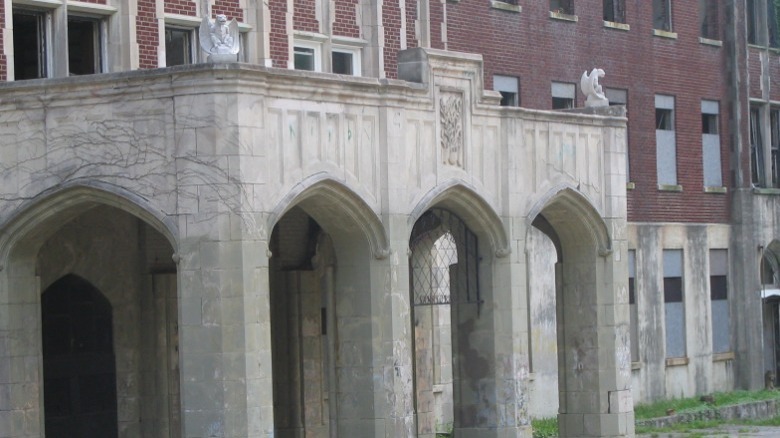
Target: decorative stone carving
{"points": [[220, 39], [589, 84], [451, 109]]}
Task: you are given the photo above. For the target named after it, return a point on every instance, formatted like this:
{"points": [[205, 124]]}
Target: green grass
{"points": [[545, 427], [687, 405]]}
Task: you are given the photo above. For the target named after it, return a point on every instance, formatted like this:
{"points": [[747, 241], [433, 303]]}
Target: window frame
{"points": [[616, 9], [674, 274], [192, 43], [668, 22], [565, 7], [666, 143], [563, 91], [99, 41], [356, 58], [44, 41], [316, 50], [503, 84], [719, 267], [709, 16], [712, 164]]}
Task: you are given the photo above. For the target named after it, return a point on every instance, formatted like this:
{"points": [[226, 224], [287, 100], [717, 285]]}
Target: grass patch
{"points": [[545, 427], [688, 405]]}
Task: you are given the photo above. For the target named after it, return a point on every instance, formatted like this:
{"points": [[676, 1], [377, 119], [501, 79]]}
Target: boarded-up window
{"points": [[674, 303], [665, 140], [710, 141], [632, 305], [721, 321]]}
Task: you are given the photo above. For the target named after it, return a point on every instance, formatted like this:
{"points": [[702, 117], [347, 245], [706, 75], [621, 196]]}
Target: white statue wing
{"points": [[233, 27], [586, 85], [204, 34]]}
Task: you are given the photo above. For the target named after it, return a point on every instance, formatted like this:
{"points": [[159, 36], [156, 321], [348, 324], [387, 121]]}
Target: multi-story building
{"points": [[388, 218]]}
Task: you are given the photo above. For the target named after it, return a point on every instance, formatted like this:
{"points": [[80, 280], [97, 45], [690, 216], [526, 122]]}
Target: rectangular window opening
{"points": [[29, 44], [509, 88], [342, 63], [773, 22], [709, 23], [721, 319], [674, 304], [178, 46], [562, 6], [562, 95], [710, 140], [84, 51], [662, 15], [756, 148], [633, 315], [615, 11], [305, 58], [664, 119]]}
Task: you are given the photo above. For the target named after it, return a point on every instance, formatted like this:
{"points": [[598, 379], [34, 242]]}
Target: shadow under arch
{"points": [[36, 220], [462, 199], [570, 214], [770, 264], [328, 201]]}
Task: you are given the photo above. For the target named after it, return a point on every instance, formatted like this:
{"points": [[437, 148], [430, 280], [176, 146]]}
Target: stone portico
{"points": [[250, 228]]}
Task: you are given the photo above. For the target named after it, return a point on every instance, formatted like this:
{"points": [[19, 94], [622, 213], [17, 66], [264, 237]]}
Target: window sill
{"points": [[311, 36], [766, 191], [630, 186], [676, 361], [92, 8], [709, 42], [41, 3], [504, 6], [722, 357], [716, 190], [563, 17], [636, 366], [670, 188], [617, 26], [665, 34]]}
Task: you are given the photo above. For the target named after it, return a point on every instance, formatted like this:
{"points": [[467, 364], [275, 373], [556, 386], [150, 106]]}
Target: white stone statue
{"points": [[589, 84], [220, 39]]}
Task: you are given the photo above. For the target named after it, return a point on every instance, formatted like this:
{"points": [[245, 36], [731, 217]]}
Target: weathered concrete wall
{"points": [[213, 156]]}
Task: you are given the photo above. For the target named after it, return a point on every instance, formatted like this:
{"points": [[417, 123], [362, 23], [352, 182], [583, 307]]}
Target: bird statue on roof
{"points": [[589, 84], [219, 38]]}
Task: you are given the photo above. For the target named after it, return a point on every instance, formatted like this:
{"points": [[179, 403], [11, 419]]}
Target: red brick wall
{"points": [[538, 49], [147, 34], [391, 19], [345, 19], [278, 11], [754, 71], [230, 8], [3, 60], [774, 75], [182, 7], [305, 16], [437, 17], [411, 29]]}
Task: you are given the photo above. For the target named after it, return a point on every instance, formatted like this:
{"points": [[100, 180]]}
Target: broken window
{"points": [[562, 95], [674, 305], [615, 11], [710, 140], [178, 46], [719, 300], [774, 146], [562, 6], [84, 48], [756, 148], [509, 89], [665, 140], [773, 22], [29, 44], [709, 19], [662, 15]]}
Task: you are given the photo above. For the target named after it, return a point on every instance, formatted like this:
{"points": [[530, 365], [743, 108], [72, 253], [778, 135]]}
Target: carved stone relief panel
{"points": [[451, 112]]}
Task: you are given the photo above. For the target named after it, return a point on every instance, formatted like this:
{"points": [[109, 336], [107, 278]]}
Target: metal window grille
{"points": [[443, 260]]}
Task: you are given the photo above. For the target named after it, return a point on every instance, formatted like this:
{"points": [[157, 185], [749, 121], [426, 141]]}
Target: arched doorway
{"points": [[79, 369], [445, 298], [769, 274]]}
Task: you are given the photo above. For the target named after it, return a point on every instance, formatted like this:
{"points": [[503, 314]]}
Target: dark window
{"points": [[342, 63], [304, 58], [709, 123], [756, 148], [178, 46], [663, 119], [774, 120], [615, 11], [83, 45], [718, 287], [773, 22], [752, 21], [708, 19], [662, 15], [562, 103], [29, 45], [673, 290], [508, 98], [562, 6]]}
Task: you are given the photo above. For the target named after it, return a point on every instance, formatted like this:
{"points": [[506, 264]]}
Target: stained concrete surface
{"points": [[723, 432]]}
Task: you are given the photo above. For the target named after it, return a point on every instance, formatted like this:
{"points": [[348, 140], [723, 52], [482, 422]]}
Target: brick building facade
{"points": [[677, 235]]}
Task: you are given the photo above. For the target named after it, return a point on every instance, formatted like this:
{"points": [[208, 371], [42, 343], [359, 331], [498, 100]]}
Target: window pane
{"points": [[774, 120], [708, 19], [615, 11], [177, 47], [663, 119], [562, 6], [304, 58], [772, 22], [29, 49], [756, 147], [508, 87], [83, 51], [662, 18], [342, 63]]}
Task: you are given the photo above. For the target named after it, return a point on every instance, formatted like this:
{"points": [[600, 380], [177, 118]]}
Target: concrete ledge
{"points": [[504, 6], [755, 410]]}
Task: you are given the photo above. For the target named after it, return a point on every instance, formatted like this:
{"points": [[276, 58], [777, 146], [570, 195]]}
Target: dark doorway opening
{"points": [[79, 367]]}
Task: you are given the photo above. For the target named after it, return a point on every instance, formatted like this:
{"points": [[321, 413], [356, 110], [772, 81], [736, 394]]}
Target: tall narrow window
{"points": [[752, 21], [773, 22], [721, 321], [662, 15], [617, 96], [562, 6], [509, 89], [633, 317], [562, 95], [29, 44], [306, 57], [615, 11], [665, 140], [84, 51], [774, 146], [758, 175], [710, 141], [674, 305], [178, 46], [709, 19]]}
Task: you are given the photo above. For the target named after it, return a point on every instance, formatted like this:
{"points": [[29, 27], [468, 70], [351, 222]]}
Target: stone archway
{"points": [[593, 334], [100, 238]]}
